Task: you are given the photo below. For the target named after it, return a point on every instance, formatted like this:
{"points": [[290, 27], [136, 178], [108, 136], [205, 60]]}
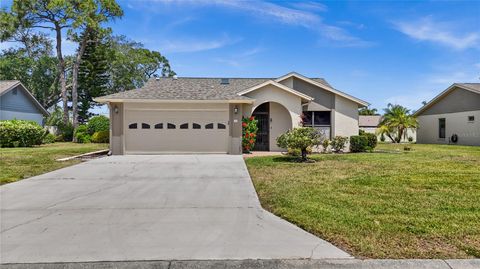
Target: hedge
{"points": [[101, 137], [98, 124], [359, 143], [371, 140], [20, 133]]}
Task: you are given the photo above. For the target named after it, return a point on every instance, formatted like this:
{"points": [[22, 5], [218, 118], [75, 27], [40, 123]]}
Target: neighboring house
{"points": [[370, 124], [199, 115], [16, 102], [452, 117]]}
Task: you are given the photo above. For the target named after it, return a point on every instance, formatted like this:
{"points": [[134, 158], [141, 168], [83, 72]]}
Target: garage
{"points": [[176, 130]]}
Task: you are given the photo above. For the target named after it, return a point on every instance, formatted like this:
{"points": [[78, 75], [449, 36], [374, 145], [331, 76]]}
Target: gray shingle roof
{"points": [[6, 85], [188, 88], [369, 121]]}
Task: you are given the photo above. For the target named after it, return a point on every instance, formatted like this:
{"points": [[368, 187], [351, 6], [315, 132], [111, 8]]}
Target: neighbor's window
{"points": [[441, 128], [316, 118], [471, 118], [145, 126], [132, 126]]}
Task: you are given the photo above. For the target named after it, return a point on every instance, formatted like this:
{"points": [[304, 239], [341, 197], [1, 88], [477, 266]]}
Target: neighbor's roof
{"points": [[473, 87], [7, 85], [191, 88], [369, 121]]}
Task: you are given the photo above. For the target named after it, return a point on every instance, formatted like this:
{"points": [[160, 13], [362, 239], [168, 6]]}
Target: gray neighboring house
{"points": [[204, 115], [454, 113], [16, 102]]}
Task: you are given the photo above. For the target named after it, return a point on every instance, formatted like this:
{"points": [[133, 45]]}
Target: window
{"points": [[221, 126], [145, 126], [171, 126], [471, 118], [316, 118], [209, 126], [132, 126], [441, 128], [196, 126], [184, 126], [159, 126]]}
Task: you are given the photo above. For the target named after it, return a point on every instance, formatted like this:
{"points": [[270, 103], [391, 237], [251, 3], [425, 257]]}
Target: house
{"points": [[452, 117], [200, 115], [370, 124], [16, 102]]}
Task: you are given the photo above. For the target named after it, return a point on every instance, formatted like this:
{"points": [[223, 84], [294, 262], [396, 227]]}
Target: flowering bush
{"points": [[249, 133]]}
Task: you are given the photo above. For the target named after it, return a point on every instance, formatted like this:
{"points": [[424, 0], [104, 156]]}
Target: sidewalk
{"points": [[255, 264]]}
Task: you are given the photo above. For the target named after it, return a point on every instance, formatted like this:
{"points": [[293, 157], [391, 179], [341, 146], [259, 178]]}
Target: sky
{"points": [[380, 51]]}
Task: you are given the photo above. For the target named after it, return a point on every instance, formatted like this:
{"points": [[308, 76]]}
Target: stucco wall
{"points": [[116, 129], [235, 122], [373, 130], [279, 124], [455, 123], [345, 118], [459, 100], [323, 100]]}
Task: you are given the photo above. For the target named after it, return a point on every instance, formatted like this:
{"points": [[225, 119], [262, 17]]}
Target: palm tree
{"points": [[366, 111], [396, 121]]}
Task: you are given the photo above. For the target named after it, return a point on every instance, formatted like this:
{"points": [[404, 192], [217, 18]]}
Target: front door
{"points": [[261, 114]]}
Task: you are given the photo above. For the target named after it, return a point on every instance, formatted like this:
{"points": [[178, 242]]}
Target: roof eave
{"points": [[125, 100], [278, 85]]}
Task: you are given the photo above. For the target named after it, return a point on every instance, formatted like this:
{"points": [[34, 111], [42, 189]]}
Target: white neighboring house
{"points": [[370, 124], [452, 117]]}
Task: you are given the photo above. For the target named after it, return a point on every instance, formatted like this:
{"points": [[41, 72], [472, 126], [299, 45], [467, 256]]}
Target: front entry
{"points": [[262, 115]]}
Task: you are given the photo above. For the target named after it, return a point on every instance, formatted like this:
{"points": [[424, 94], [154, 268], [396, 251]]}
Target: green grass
{"points": [[419, 204], [20, 163]]}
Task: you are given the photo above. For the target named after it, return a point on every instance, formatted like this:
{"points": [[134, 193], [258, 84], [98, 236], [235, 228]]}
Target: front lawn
{"points": [[20, 163], [419, 204]]}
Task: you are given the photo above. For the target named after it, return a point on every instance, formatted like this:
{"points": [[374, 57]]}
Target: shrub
{"points": [[325, 145], [371, 139], [338, 143], [20, 133], [300, 139], [101, 137], [358, 143], [98, 124], [66, 131], [249, 133], [82, 135], [410, 139], [49, 138]]}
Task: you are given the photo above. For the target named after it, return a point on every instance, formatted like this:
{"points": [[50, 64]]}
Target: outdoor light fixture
{"points": [[235, 110], [115, 109]]}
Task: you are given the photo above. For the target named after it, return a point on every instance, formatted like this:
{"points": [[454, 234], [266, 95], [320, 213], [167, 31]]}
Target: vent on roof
{"points": [[224, 81]]}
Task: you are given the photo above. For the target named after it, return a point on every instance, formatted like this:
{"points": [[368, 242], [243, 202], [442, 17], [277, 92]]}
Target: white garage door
{"points": [[153, 131]]}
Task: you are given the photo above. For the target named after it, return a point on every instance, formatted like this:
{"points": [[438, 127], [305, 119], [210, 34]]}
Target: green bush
{"points": [[81, 134], [49, 138], [300, 139], [338, 143], [20, 133], [371, 139], [66, 131], [98, 124], [359, 143], [325, 145], [101, 137]]}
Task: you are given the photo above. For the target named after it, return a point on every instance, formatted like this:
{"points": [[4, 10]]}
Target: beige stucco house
{"points": [[452, 117], [204, 115]]}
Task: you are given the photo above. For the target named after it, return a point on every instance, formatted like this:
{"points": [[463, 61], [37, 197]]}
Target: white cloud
{"points": [[310, 6], [194, 45], [426, 29], [241, 59]]}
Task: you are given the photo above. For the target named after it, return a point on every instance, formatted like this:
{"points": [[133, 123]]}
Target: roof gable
{"points": [[8, 85], [278, 85]]}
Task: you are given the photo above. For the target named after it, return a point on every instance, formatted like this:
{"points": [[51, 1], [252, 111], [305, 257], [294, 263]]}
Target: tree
{"points": [[301, 139], [366, 111], [396, 121]]}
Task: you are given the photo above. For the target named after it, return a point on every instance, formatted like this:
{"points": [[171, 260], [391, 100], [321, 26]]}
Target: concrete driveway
{"points": [[181, 207]]}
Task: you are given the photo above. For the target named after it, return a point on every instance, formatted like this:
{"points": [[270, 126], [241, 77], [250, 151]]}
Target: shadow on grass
{"points": [[291, 159]]}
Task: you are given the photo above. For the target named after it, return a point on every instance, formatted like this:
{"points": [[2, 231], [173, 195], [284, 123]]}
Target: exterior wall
{"points": [[235, 134], [459, 100], [19, 106], [285, 111], [323, 100], [345, 118], [287, 82], [373, 130], [117, 146], [455, 123]]}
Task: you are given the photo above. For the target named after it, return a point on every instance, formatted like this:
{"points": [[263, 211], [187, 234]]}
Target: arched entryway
{"points": [[273, 120]]}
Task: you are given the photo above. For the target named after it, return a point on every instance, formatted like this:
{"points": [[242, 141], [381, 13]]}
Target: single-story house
{"points": [[370, 124], [204, 115], [16, 102], [452, 117]]}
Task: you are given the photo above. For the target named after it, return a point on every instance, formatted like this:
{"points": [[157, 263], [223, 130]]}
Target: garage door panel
{"points": [[176, 140]]}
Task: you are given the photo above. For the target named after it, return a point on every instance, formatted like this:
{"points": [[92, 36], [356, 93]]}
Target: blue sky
{"points": [[398, 52]]}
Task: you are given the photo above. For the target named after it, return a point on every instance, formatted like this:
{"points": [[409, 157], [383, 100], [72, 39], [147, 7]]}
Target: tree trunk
{"points": [[61, 71], [76, 66], [304, 155]]}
